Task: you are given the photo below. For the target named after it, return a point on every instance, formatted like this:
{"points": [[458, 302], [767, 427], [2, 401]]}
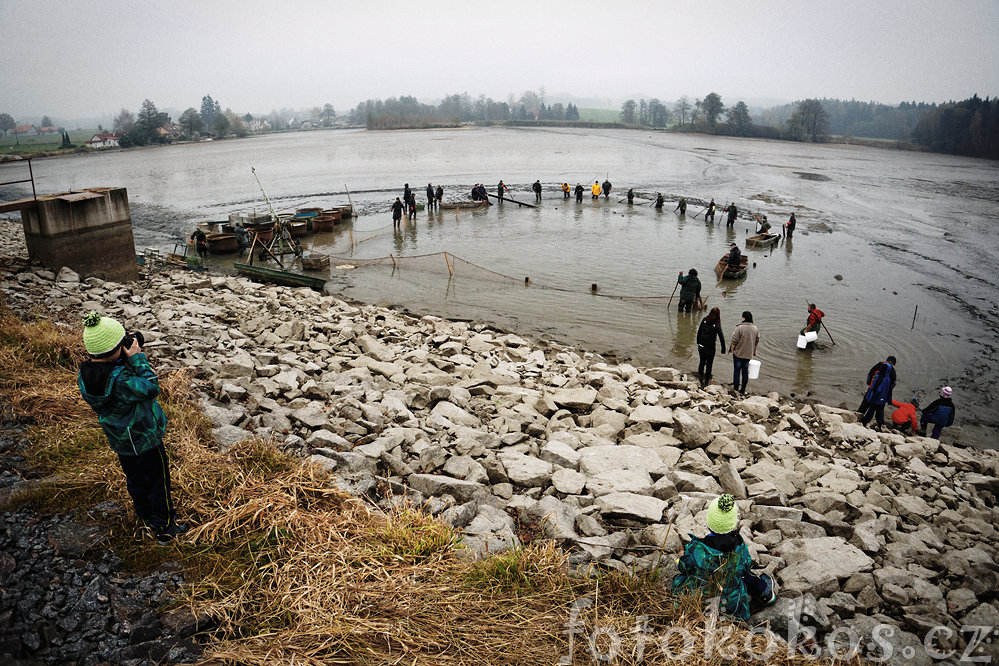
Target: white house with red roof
{"points": [[103, 141]]}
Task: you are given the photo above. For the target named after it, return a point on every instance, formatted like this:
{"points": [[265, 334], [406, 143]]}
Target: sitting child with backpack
{"points": [[719, 564]]}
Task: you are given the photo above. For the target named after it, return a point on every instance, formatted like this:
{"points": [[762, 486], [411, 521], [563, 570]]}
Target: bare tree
{"points": [[124, 122], [682, 109]]}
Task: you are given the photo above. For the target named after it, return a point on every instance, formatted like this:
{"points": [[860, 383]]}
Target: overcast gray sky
{"points": [[89, 58]]}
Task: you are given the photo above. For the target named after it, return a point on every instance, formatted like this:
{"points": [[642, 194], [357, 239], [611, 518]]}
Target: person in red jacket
{"points": [[904, 416], [814, 322]]}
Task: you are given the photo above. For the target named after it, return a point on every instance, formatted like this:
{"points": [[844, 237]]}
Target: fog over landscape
{"points": [[86, 60]]}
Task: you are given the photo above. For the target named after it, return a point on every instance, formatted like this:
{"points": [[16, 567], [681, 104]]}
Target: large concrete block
{"points": [[89, 231]]}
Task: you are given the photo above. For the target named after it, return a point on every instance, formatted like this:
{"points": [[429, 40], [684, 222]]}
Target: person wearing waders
{"points": [[880, 383], [121, 387], [430, 198], [397, 213], [579, 193], [659, 201], [733, 214], [406, 193], [814, 322], [595, 190], [790, 225], [709, 214], [438, 197], [606, 188], [681, 206], [690, 290], [537, 190], [631, 195], [500, 189]]}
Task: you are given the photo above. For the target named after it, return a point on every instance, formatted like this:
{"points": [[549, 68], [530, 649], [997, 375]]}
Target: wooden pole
{"points": [[392, 256], [519, 203], [353, 211], [671, 295], [450, 269], [914, 312]]}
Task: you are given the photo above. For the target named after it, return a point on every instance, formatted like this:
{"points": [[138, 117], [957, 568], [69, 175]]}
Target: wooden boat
{"points": [[763, 240], [276, 276], [316, 262], [726, 273], [308, 211], [222, 243], [462, 205], [326, 221]]}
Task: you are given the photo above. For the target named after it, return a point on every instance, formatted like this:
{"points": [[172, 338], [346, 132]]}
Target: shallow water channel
{"points": [[880, 232]]}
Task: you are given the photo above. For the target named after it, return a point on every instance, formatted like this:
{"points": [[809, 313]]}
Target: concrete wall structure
{"points": [[89, 231]]}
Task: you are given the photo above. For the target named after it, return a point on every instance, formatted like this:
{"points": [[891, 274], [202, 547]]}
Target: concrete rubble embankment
{"points": [[493, 432]]}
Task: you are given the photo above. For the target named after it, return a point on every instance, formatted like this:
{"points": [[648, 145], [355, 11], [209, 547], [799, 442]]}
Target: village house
{"points": [[48, 130], [26, 130], [103, 141]]}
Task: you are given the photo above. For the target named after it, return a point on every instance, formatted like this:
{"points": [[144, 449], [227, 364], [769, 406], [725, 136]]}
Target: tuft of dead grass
{"points": [[294, 571]]}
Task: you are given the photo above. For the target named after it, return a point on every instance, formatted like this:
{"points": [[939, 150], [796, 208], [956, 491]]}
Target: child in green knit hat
{"points": [[719, 564], [118, 383]]}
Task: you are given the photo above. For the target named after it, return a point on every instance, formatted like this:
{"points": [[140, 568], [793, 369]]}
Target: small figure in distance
{"points": [[814, 322], [501, 189], [412, 206], [397, 212], [709, 214], [406, 193], [566, 190], [631, 195], [709, 329], [438, 197], [733, 214], [121, 387], [579, 193], [745, 342], [659, 201], [606, 187], [430, 198], [790, 225], [940, 413], [537, 190], [880, 383], [690, 290], [595, 190], [200, 242], [719, 564], [681, 206], [904, 416]]}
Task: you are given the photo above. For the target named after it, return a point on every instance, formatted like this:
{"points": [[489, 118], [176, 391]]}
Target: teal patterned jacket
{"points": [[124, 396]]}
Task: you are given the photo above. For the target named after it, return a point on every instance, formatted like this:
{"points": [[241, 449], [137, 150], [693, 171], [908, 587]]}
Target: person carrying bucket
{"points": [[745, 341], [814, 323]]}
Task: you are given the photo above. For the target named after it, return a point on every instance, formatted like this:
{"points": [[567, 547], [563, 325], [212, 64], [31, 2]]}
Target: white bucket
{"points": [[754, 368], [802, 342], [811, 336]]}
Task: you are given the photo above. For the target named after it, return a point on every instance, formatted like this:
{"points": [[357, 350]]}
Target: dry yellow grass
{"points": [[293, 571]]}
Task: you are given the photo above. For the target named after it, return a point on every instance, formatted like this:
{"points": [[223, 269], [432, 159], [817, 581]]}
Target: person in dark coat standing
{"points": [[537, 190], [606, 187], [709, 329], [690, 290], [438, 197], [430, 198], [631, 195], [579, 193], [396, 212], [940, 413], [733, 214], [880, 383], [790, 225], [406, 193], [500, 190]]}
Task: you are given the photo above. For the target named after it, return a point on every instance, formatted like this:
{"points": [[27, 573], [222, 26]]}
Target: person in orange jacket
{"points": [[904, 416]]}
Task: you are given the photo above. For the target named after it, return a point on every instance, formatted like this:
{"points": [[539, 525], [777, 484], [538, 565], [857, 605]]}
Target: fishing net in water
{"points": [[451, 266]]}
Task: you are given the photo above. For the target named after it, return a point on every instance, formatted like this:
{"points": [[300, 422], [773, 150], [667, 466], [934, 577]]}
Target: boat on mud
{"points": [[726, 272], [763, 241], [463, 205]]}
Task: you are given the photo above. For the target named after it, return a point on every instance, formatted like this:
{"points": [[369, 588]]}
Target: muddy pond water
{"points": [[880, 234]]}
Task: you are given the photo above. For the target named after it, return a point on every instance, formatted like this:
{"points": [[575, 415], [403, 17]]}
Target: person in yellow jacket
{"points": [[565, 190], [596, 189]]}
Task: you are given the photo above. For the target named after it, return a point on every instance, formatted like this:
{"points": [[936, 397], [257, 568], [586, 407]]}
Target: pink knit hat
{"points": [[945, 392]]}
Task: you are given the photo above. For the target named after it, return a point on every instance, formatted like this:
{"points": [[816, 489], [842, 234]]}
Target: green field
{"points": [[599, 115], [25, 145]]}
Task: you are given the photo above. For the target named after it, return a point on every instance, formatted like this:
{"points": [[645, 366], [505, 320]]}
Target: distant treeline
{"points": [[969, 127], [408, 112]]}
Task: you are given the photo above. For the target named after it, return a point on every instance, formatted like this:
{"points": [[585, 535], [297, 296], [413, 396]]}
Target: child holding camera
{"points": [[121, 387]]}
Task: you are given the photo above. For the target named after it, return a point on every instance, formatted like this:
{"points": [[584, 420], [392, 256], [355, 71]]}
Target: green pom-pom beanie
{"points": [[101, 335], [723, 515]]}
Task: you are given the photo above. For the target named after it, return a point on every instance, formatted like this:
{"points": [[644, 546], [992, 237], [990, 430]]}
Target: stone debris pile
{"points": [[497, 435]]}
